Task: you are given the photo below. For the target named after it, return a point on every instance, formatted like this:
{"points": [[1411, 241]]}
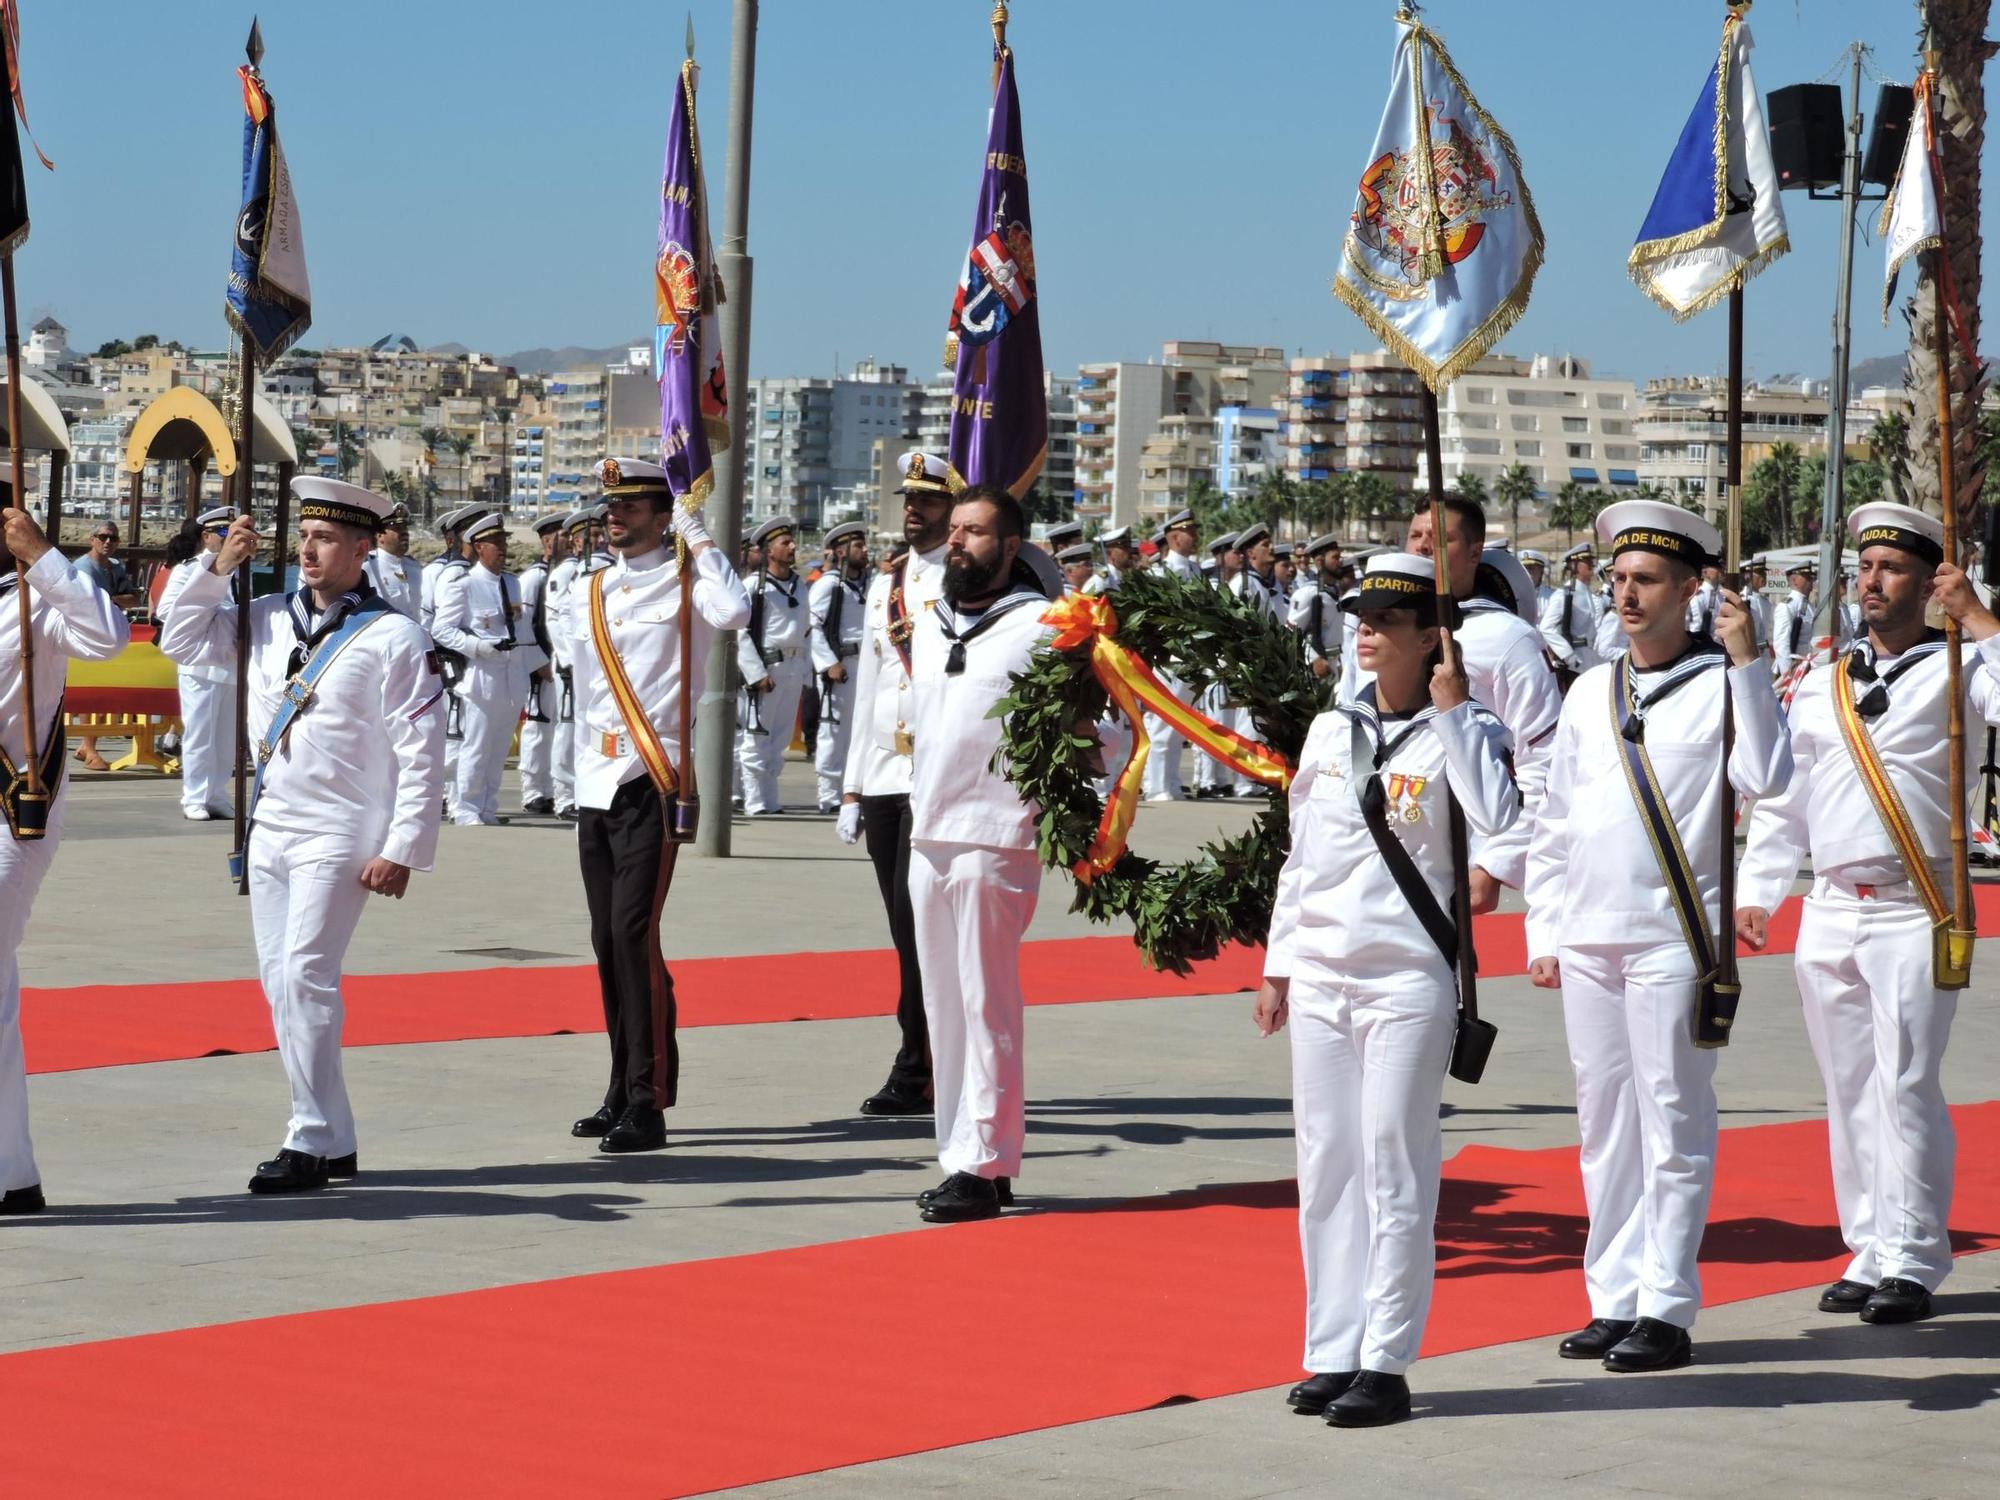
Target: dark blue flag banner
{"points": [[1000, 410], [687, 334], [13, 185], [269, 297]]}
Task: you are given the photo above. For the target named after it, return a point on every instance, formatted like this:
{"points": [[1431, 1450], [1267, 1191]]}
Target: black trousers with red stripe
{"points": [[628, 863]]}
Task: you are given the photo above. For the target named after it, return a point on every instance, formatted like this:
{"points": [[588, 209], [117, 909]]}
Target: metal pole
{"points": [[715, 722], [1826, 624], [245, 505], [1732, 458]]}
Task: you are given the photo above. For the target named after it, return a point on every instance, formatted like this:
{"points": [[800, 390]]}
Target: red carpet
{"points": [[1070, 1317], [99, 1026]]}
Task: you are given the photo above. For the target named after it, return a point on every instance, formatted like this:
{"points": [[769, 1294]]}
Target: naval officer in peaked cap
{"points": [[838, 602], [479, 616], [539, 730], [207, 694], [393, 573]]}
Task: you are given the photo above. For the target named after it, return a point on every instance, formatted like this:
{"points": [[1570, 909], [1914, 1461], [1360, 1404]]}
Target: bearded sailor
{"points": [[771, 654], [539, 730], [839, 600], [207, 694], [1869, 804], [1624, 890], [346, 699], [479, 616], [69, 618]]}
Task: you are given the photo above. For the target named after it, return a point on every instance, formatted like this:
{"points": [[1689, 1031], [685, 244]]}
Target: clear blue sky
{"points": [[486, 171]]}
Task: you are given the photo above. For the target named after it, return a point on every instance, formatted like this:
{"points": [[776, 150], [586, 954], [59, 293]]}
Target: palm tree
{"points": [[1958, 32], [1513, 488], [461, 447], [347, 449], [1375, 499], [1471, 487], [1779, 480], [1889, 446], [432, 438], [1570, 509]]}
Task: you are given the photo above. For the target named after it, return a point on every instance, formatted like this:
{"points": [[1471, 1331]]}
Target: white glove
{"points": [[849, 826], [688, 527]]}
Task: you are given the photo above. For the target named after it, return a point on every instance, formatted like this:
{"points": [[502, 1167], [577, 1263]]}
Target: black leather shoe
{"points": [[896, 1099], [1594, 1341], [1374, 1400], [540, 807], [1845, 1296], [637, 1130], [960, 1199], [27, 1200], [1313, 1395], [1897, 1301], [289, 1172], [343, 1166], [597, 1124], [1651, 1345], [1003, 1188]]}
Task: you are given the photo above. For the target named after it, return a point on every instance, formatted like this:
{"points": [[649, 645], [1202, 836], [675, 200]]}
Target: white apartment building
{"points": [[1547, 413], [810, 440], [1683, 429]]}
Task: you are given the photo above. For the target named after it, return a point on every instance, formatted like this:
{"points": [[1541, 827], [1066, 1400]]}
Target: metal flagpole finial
{"points": [[254, 48], [690, 38], [999, 20]]}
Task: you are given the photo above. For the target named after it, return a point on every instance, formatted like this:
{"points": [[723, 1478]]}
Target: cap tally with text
{"points": [[220, 515], [633, 476], [846, 531], [1883, 523], [338, 501], [485, 525], [1397, 580], [927, 474], [1655, 526], [777, 526]]}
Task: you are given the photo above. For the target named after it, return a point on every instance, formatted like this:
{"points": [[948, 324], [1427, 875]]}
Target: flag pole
{"points": [[33, 791], [687, 801], [1726, 975], [245, 505]]}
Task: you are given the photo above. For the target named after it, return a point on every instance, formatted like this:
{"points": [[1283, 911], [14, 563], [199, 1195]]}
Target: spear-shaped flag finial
{"points": [[690, 36], [254, 48]]}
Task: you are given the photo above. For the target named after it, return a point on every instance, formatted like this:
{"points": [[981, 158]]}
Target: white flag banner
{"points": [[1910, 221], [1443, 244]]}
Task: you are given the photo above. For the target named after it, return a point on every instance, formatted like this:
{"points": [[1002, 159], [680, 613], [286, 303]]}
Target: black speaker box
{"points": [[1805, 135], [1894, 105]]}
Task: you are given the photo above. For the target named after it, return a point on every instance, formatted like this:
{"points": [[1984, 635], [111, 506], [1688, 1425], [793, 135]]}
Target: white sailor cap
{"points": [[927, 474], [576, 520], [1503, 578], [633, 476], [1118, 537], [337, 500], [1324, 542], [1080, 553], [1656, 526], [1802, 565], [1224, 543], [455, 519], [485, 525], [777, 526], [1282, 551], [1530, 555], [1396, 580], [220, 515], [1063, 533], [846, 531], [546, 524], [1250, 535], [1160, 537], [1036, 568], [398, 517], [1883, 523]]}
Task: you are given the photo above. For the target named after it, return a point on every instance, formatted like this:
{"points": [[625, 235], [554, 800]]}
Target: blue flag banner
{"points": [[999, 409], [1443, 244], [687, 334], [1716, 218], [270, 296]]}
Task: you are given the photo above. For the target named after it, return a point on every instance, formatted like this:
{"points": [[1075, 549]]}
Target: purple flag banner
{"points": [[687, 336], [1000, 409]]}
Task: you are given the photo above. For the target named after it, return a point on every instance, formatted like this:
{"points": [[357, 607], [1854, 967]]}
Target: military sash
{"points": [[900, 625], [1951, 948], [28, 818], [1715, 999], [638, 728]]}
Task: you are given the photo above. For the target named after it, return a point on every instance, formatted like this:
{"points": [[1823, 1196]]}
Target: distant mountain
{"points": [[569, 357]]}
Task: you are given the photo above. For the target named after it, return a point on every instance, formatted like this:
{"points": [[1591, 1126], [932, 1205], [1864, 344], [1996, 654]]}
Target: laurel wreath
{"points": [[1180, 913]]}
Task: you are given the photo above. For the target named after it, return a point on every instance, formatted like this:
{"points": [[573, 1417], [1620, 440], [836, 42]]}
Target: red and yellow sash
{"points": [[1135, 689], [645, 739]]}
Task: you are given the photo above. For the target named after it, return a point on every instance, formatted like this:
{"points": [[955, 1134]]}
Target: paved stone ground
{"points": [[471, 1179]]}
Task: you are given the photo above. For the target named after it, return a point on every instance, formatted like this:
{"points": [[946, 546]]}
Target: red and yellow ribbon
{"points": [[1133, 687], [645, 739]]}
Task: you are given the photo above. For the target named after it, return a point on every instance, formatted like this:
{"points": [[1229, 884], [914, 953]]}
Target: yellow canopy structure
{"points": [[183, 424]]}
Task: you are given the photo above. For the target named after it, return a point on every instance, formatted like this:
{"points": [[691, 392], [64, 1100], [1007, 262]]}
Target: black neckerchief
{"points": [[308, 633], [1006, 604], [1861, 668], [788, 589], [1365, 709], [1697, 658]]}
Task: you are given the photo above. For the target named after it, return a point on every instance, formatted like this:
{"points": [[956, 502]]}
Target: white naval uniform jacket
{"points": [[1338, 909], [1791, 631], [398, 580], [1332, 622], [642, 601], [366, 757], [787, 615], [875, 767], [1826, 811], [1265, 596], [1179, 566], [223, 675], [1575, 646], [955, 796], [1593, 879], [71, 617], [853, 625], [472, 619], [429, 579]]}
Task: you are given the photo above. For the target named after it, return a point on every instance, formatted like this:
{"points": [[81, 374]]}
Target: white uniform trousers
{"points": [[208, 743], [1162, 780], [1209, 773], [22, 866], [1114, 740], [758, 756], [1879, 1028], [1240, 785], [305, 900], [564, 757], [971, 905], [836, 723], [1645, 1107], [538, 743], [1368, 1069], [482, 756]]}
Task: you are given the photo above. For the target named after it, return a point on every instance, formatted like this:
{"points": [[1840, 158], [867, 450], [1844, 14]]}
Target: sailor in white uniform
{"points": [[1118, 561], [393, 573], [1537, 566], [1875, 1009], [1078, 564], [1635, 778], [974, 872], [479, 615], [839, 603], [208, 697], [571, 565], [450, 526], [1256, 583], [541, 728], [1316, 611], [1792, 619], [1370, 994], [875, 790], [349, 786], [72, 619], [771, 653], [1569, 617], [1756, 578], [1181, 559]]}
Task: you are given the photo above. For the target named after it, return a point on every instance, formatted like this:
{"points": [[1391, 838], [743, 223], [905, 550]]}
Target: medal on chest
{"points": [[1403, 792]]}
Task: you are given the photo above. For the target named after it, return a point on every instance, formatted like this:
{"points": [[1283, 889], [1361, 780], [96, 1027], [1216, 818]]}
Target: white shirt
{"points": [[1569, 624], [428, 579], [787, 614], [852, 625], [1826, 811], [477, 609], [71, 617], [1264, 596], [875, 767], [1610, 639], [1329, 640], [1181, 565], [1593, 879], [176, 581], [1791, 631], [642, 599], [366, 757], [1704, 610], [955, 797], [398, 580], [1338, 910], [534, 588]]}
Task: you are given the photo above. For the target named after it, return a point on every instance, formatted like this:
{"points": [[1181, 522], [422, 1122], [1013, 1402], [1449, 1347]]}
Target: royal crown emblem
{"points": [[610, 473], [915, 468]]}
